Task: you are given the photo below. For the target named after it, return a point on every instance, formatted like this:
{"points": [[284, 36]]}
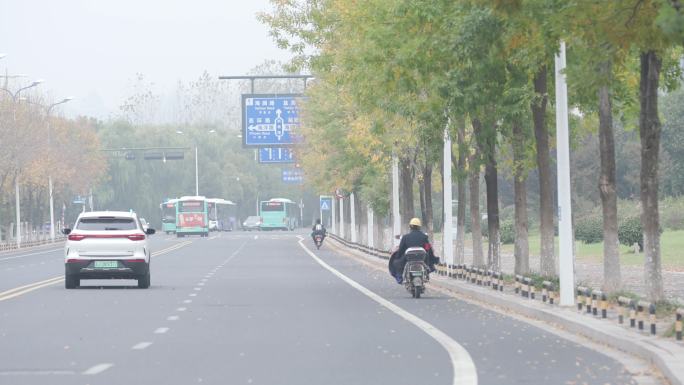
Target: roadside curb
{"points": [[667, 356]]}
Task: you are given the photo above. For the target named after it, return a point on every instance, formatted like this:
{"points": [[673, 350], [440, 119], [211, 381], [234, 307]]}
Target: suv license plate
{"points": [[106, 264]]}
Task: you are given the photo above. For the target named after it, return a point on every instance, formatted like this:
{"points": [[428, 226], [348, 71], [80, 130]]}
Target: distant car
{"points": [[107, 245], [252, 223]]}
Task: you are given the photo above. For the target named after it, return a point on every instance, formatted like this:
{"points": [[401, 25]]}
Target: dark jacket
{"points": [[415, 238], [322, 231]]}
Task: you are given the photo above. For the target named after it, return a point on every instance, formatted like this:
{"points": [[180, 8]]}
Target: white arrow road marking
{"points": [[464, 372]]}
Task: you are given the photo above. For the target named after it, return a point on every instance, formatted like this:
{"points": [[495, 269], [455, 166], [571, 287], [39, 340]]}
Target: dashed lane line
{"points": [[172, 318], [97, 369], [161, 330], [141, 345], [464, 372]]}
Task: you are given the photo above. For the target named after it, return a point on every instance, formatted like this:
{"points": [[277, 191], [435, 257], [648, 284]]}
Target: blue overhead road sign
{"points": [[293, 176], [275, 155], [270, 120]]}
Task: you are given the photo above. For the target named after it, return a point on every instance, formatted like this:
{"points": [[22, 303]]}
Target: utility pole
{"points": [[566, 250], [196, 174], [447, 234]]}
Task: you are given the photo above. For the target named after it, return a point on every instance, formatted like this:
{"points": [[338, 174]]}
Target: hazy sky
{"points": [[91, 49]]}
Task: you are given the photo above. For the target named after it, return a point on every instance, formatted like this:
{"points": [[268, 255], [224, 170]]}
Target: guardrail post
{"points": [[623, 304], [604, 305], [652, 318], [518, 283], [580, 298], [641, 307]]}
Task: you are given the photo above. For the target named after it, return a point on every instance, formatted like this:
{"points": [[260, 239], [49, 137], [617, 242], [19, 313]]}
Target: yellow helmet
{"points": [[415, 222]]}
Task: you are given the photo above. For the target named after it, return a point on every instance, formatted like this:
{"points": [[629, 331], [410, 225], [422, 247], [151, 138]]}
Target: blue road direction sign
{"points": [[78, 200], [275, 155], [326, 203], [270, 119], [293, 176]]}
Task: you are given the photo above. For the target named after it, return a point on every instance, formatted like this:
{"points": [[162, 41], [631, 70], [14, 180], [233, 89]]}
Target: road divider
{"points": [[464, 372], [21, 290]]}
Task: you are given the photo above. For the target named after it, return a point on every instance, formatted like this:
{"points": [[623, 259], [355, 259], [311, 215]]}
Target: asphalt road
{"points": [[256, 308]]}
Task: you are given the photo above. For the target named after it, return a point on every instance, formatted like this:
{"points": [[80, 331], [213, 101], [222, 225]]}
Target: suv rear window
{"points": [[106, 224]]}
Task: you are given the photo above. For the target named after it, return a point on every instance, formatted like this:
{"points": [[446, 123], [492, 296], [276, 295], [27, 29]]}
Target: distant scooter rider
{"points": [[318, 228], [415, 238]]}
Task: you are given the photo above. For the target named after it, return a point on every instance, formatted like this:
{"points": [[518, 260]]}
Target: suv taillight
{"points": [[136, 237], [76, 237]]}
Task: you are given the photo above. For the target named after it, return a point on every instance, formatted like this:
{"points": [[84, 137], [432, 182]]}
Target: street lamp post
{"points": [[52, 209], [15, 98], [196, 162]]}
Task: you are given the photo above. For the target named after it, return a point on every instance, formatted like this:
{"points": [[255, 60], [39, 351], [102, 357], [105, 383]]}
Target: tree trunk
{"points": [[649, 131], [475, 229], [486, 141], [521, 251], [461, 193], [406, 208], [547, 258], [612, 280]]}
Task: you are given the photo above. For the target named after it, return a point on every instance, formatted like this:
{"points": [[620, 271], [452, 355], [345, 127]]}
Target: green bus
{"points": [[168, 216], [191, 216], [278, 214]]}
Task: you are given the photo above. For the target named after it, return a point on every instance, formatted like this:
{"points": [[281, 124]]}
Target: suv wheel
{"points": [[71, 281], [144, 281]]}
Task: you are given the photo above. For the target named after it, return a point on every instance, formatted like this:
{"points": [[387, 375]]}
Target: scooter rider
{"points": [[318, 228], [414, 238]]}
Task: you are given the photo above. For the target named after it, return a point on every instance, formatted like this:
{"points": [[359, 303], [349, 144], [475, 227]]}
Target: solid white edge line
{"points": [[141, 345], [464, 372], [28, 255], [97, 369]]}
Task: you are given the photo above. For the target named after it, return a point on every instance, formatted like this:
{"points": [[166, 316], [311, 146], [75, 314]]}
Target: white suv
{"points": [[105, 245]]}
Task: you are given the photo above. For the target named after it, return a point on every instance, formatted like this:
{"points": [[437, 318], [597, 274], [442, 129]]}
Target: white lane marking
{"points": [[97, 369], [200, 284], [464, 372], [187, 301], [30, 254], [198, 288], [172, 318], [193, 294], [256, 237], [182, 309], [36, 372], [141, 345], [161, 330]]}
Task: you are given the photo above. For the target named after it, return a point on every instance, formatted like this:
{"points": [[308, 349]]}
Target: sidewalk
{"points": [[665, 354], [590, 274]]}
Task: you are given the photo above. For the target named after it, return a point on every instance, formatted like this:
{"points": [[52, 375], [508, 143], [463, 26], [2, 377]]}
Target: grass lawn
{"points": [[671, 248]]}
